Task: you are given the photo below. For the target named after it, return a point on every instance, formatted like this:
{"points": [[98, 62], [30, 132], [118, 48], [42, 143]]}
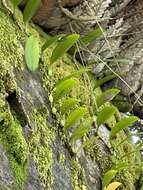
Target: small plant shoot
{"points": [[63, 46], [30, 9]]}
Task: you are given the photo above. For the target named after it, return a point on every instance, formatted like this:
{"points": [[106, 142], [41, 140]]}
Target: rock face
{"points": [[35, 152], [122, 40]]}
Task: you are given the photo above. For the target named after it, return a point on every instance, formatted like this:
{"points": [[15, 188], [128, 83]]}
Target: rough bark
{"points": [[35, 152]]}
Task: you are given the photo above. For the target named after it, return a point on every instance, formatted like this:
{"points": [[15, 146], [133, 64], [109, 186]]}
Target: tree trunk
{"points": [[36, 154]]}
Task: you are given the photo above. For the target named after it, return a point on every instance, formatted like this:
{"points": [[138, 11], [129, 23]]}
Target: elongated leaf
{"points": [[32, 53], [104, 80], [52, 40], [106, 113], [68, 104], [108, 177], [79, 132], [63, 89], [74, 74], [122, 124], [16, 3], [75, 116], [121, 60], [92, 35], [106, 96], [63, 46], [121, 165], [30, 9], [113, 186]]}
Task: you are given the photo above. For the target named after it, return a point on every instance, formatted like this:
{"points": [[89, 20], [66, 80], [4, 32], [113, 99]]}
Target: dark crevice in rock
{"points": [[16, 108]]}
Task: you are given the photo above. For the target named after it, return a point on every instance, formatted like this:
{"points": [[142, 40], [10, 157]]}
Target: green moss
{"points": [[12, 138], [40, 147], [77, 175], [130, 175]]}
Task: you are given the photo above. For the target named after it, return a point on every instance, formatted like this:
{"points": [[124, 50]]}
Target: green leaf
{"points": [[79, 132], [63, 89], [68, 104], [92, 35], [63, 46], [74, 74], [16, 3], [104, 80], [106, 96], [30, 9], [32, 53], [106, 113], [122, 124], [74, 117], [52, 40], [121, 60], [113, 185], [108, 177]]}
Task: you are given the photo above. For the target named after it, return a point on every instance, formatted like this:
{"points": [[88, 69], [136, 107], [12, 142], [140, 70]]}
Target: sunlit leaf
{"points": [[30, 9], [68, 104], [63, 89], [92, 35], [113, 186], [75, 116], [122, 124], [16, 3], [105, 114], [74, 74], [104, 80], [108, 177], [52, 40], [106, 96], [32, 53], [63, 46], [79, 132]]}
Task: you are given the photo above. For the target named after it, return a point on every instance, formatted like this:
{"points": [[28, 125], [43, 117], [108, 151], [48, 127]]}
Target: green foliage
{"points": [[63, 46], [32, 53], [68, 104], [52, 40], [106, 113], [63, 89], [113, 185], [80, 131], [122, 124], [108, 176], [100, 82], [92, 35], [16, 3], [106, 96], [74, 74], [74, 117], [30, 9]]}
